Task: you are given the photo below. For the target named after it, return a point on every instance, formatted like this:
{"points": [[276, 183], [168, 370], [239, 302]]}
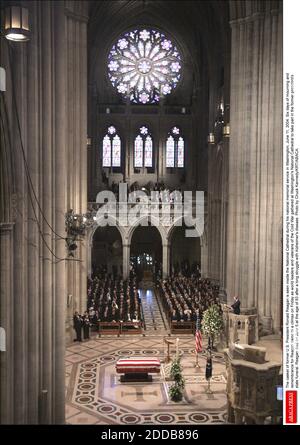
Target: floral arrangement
{"points": [[212, 323], [176, 389]]}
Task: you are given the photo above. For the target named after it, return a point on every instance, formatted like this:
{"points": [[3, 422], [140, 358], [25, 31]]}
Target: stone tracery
{"points": [[144, 64]]}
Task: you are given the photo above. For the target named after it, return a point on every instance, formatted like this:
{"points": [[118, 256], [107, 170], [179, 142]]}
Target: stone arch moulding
{"points": [[154, 222], [90, 237], [201, 236], [175, 224], [164, 240]]}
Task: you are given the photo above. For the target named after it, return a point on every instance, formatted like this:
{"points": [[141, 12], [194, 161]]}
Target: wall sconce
{"points": [[226, 131], [211, 138], [88, 142], [75, 225], [16, 23], [107, 111]]}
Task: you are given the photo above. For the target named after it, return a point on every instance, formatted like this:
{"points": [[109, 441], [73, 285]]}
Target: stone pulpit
{"points": [[251, 385], [242, 328]]}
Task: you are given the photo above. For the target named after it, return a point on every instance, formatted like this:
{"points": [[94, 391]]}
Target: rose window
{"points": [[144, 65]]}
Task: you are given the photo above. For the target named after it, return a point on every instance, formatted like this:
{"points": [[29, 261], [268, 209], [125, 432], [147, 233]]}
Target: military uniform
{"points": [[86, 328], [208, 371]]}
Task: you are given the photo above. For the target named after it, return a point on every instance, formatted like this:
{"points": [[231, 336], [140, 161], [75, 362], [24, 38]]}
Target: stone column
{"points": [[60, 165], [33, 237], [255, 161], [166, 259], [126, 260], [76, 17], [35, 355], [204, 255], [46, 271], [223, 216], [6, 322], [89, 247]]}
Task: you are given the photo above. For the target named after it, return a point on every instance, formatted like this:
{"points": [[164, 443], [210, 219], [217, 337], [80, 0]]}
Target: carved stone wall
{"points": [[251, 390], [254, 224], [48, 77]]}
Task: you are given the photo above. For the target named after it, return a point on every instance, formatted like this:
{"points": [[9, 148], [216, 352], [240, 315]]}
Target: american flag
{"points": [[198, 337]]}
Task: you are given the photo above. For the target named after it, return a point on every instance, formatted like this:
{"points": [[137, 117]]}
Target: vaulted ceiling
{"points": [[200, 27]]}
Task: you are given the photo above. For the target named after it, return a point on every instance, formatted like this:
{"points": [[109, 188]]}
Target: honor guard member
{"points": [[86, 326], [77, 325], [208, 370]]}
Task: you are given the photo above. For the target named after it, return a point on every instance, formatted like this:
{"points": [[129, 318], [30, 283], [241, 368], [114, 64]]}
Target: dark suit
{"points": [[86, 328], [77, 324], [236, 307], [208, 370]]}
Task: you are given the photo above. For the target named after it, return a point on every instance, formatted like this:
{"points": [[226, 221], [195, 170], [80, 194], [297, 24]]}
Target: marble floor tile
{"points": [[83, 419], [75, 358], [71, 411]]}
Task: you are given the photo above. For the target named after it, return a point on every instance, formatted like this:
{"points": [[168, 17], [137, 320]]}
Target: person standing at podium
{"points": [[236, 306]]}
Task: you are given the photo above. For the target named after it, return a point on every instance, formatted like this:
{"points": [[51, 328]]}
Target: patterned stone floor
{"points": [[95, 394]]}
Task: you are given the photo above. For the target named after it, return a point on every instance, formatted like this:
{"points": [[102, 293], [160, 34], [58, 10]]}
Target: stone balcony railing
{"points": [[163, 213]]}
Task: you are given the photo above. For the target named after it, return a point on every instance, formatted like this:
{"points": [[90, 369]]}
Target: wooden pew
{"points": [[109, 328], [131, 327], [182, 327]]}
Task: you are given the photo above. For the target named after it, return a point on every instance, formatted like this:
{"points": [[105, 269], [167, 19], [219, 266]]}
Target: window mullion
{"points": [[143, 153]]}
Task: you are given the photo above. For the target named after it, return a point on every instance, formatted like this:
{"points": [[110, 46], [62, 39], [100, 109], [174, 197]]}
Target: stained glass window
{"points": [[175, 149], [116, 152], [138, 152], [144, 64], [106, 153], [111, 149], [143, 149], [170, 151], [180, 152], [148, 151]]}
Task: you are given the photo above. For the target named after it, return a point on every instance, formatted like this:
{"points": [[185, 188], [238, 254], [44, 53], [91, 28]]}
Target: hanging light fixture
{"points": [[211, 138], [226, 131], [16, 24]]}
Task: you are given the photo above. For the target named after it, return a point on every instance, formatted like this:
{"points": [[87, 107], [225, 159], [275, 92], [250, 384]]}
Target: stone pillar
{"points": [[204, 256], [255, 161], [166, 259], [34, 371], [60, 164], [217, 210], [33, 237], [47, 269], [20, 252], [6, 322], [126, 260], [76, 123]]}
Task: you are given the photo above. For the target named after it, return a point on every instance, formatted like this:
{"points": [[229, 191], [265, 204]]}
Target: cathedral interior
{"points": [[168, 98]]}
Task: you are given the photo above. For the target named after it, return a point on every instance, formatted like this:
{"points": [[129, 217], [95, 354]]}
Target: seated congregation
{"points": [[186, 298], [112, 301], [114, 305]]}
